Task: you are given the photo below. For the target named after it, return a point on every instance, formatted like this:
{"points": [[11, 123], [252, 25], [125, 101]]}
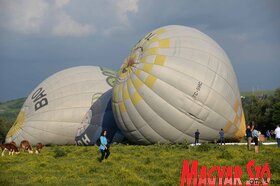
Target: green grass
{"points": [[127, 165]]}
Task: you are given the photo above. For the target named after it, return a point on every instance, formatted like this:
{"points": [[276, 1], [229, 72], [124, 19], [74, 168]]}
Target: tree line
{"points": [[263, 110]]}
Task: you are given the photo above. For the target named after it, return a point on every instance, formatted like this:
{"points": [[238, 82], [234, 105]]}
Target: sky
{"points": [[41, 37]]}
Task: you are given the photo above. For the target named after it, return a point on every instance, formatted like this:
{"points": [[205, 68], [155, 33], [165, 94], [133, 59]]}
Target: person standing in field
{"points": [[196, 135], [249, 137], [267, 135], [104, 147], [277, 135], [255, 135], [222, 136]]}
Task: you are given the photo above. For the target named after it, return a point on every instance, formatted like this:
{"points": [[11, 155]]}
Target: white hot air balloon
{"points": [[177, 80], [53, 111]]}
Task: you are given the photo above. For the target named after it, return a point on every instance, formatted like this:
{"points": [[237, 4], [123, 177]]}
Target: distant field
{"points": [[127, 165]]}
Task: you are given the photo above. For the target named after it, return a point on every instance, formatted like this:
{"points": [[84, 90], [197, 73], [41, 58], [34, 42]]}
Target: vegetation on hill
{"points": [[8, 114], [9, 110], [127, 164]]}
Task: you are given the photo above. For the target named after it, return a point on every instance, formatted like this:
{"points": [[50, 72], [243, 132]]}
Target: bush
{"points": [[59, 153], [204, 147], [230, 140]]}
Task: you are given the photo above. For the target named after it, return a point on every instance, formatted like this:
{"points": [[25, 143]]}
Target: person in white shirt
{"points": [[277, 135]]}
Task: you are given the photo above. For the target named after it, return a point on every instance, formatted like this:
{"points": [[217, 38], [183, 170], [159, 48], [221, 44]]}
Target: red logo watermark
{"points": [[225, 175]]}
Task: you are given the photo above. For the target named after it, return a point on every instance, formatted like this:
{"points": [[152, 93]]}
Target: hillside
{"points": [[8, 114], [10, 109]]}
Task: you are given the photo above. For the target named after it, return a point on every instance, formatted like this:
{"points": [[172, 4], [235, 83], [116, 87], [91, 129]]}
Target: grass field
{"points": [[127, 165]]}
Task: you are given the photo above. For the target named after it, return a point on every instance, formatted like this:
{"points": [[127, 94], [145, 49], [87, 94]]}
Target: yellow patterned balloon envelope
{"points": [[177, 80]]}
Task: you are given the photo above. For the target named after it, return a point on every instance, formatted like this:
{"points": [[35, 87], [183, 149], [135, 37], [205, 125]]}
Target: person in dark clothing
{"points": [[255, 135], [196, 135], [222, 136], [104, 148], [249, 137]]}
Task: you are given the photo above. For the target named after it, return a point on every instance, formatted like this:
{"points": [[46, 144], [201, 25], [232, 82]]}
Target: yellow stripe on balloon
{"points": [[160, 31], [122, 107], [153, 51], [228, 125], [138, 72], [242, 127], [153, 39], [236, 120], [143, 60], [147, 67], [236, 106], [160, 60], [125, 93], [137, 83], [17, 125], [150, 81], [129, 83], [116, 93], [120, 90], [165, 43], [136, 98]]}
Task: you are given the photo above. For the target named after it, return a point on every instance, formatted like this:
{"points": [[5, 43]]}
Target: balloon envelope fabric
{"points": [[53, 111], [177, 80]]}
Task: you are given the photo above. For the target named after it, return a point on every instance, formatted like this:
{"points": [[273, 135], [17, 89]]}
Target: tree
{"points": [[3, 129], [276, 108], [263, 110]]}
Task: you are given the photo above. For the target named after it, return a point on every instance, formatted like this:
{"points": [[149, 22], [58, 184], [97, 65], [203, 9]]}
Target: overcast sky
{"points": [[41, 37]]}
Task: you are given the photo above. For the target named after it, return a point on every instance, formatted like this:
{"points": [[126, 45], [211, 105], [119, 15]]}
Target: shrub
{"points": [[59, 153], [232, 140], [204, 147]]}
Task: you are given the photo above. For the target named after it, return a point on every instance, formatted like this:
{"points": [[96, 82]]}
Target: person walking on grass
{"points": [[104, 147], [249, 137], [222, 136], [255, 135], [277, 135], [196, 135]]}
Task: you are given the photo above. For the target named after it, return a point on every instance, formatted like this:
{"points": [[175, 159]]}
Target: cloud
{"points": [[66, 26], [62, 18], [123, 7], [61, 3], [23, 16]]}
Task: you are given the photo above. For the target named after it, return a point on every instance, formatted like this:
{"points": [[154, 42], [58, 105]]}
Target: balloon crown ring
{"points": [[134, 58]]}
